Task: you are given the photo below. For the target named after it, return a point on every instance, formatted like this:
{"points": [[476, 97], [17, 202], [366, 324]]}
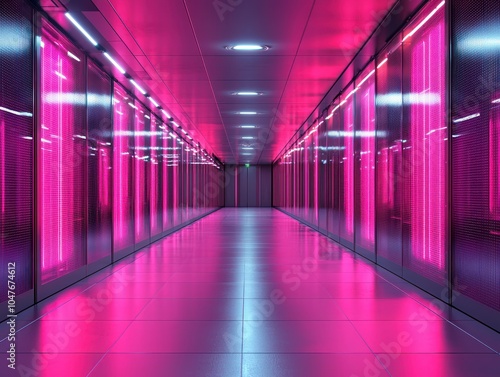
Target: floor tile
{"points": [[317, 365], [419, 336], [279, 308], [178, 365], [185, 309], [302, 337], [439, 365], [181, 337]]}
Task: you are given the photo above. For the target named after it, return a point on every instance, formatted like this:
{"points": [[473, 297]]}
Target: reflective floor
{"points": [[248, 292]]}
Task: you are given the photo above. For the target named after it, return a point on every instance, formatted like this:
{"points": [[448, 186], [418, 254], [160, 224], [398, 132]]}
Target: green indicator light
{"points": [[247, 165]]}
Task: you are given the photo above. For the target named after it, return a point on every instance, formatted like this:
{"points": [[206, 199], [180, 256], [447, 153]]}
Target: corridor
{"points": [[249, 292]]}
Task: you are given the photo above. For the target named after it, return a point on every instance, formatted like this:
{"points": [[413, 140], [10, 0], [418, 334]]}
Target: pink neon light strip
{"points": [[367, 162], [494, 155], [2, 164], [428, 147], [349, 168], [153, 184]]}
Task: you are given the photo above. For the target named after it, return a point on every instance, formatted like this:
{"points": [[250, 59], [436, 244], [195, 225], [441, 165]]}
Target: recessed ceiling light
{"points": [[246, 154], [247, 126], [247, 112], [247, 137], [247, 93], [247, 148], [248, 47]]}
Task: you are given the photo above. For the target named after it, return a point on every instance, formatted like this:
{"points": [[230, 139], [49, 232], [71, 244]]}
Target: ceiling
{"points": [[176, 49]]}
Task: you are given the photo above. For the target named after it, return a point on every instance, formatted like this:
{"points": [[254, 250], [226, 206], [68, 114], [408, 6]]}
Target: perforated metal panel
{"points": [[425, 135], [346, 168], [142, 155], [365, 162], [156, 176], [335, 149], [475, 151], [123, 185], [62, 154], [16, 144], [100, 173], [389, 101]]}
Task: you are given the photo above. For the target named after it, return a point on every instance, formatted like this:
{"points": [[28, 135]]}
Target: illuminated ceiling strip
{"points": [[113, 61], [382, 63], [429, 16], [79, 27], [139, 88]]}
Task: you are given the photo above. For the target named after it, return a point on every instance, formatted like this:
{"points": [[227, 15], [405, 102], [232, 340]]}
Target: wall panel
{"points": [[365, 163], [475, 91], [123, 172], [99, 168], [389, 101], [16, 150], [62, 158], [425, 152]]}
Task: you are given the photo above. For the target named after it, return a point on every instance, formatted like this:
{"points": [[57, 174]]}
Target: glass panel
{"points": [[123, 144], [425, 151], [16, 146], [100, 173], [63, 147]]}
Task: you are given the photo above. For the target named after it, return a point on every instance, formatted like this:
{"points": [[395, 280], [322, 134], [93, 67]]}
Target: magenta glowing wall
{"points": [[365, 140], [494, 161], [62, 142], [347, 168], [142, 137], [425, 147], [16, 151], [123, 142], [99, 166], [156, 178]]}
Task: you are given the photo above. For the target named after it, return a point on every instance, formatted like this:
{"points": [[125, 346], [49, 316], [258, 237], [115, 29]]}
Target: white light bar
{"points": [[153, 102], [138, 87], [429, 16], [79, 27], [113, 61]]}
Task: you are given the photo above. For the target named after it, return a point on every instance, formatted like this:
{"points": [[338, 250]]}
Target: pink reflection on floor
{"points": [[247, 292]]}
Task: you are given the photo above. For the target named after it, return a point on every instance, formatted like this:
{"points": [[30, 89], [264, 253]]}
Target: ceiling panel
{"points": [[192, 92], [255, 67], [340, 28], [174, 68], [307, 93], [316, 68], [160, 27]]}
